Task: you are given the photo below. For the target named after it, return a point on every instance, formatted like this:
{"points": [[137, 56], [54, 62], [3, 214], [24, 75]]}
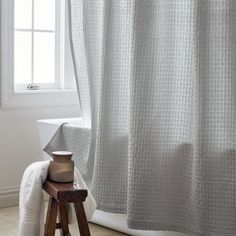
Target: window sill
{"points": [[44, 91], [40, 98]]}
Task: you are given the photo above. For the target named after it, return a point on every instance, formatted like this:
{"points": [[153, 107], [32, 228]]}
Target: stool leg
{"points": [[64, 219], [81, 218], [51, 219]]}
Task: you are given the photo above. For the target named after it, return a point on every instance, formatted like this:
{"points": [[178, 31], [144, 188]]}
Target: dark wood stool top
{"points": [[67, 192], [60, 195]]}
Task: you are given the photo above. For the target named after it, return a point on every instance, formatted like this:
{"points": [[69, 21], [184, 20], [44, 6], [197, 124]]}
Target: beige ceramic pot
{"points": [[61, 169]]}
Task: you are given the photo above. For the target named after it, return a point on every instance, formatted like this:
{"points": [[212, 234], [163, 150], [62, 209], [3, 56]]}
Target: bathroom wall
{"points": [[19, 142], [20, 145]]}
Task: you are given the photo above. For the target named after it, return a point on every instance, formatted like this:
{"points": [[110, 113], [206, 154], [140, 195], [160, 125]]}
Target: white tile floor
{"points": [[9, 225]]}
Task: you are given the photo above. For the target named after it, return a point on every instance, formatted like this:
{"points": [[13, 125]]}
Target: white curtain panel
{"points": [[157, 82]]}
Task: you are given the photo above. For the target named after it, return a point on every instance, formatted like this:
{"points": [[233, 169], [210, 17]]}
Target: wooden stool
{"points": [[60, 195]]}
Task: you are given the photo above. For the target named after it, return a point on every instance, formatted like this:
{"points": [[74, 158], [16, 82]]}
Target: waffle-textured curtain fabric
{"points": [[157, 82]]}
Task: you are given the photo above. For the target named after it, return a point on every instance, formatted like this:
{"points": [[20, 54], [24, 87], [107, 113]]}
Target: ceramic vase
{"points": [[61, 168]]}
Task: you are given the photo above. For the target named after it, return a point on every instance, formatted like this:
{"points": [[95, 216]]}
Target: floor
{"points": [[9, 225]]}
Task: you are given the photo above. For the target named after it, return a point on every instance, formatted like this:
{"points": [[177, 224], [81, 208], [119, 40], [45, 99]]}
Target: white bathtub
{"points": [[47, 128]]}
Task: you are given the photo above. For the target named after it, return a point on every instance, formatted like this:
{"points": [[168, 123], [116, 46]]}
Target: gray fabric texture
{"points": [[156, 80]]}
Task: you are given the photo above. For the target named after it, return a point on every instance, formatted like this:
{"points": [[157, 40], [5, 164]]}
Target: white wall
{"points": [[20, 145], [19, 142]]}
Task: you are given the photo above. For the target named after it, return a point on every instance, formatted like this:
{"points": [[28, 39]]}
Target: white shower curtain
{"points": [[157, 83]]}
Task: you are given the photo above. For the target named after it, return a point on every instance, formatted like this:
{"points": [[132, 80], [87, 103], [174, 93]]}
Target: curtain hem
{"points": [[162, 226]]}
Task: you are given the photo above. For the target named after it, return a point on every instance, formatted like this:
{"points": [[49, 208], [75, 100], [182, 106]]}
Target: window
{"points": [[35, 54], [35, 44]]}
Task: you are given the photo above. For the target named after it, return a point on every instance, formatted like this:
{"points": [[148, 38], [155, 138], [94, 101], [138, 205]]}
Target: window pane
{"points": [[23, 14], [44, 14], [22, 57], [44, 57]]}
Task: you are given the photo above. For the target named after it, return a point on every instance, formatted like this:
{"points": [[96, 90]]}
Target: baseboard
{"points": [[9, 196]]}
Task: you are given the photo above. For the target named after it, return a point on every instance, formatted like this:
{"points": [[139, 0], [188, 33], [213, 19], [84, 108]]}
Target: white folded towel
{"points": [[32, 203]]}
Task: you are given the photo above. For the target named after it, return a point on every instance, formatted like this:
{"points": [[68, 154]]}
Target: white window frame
{"points": [[59, 50], [11, 97]]}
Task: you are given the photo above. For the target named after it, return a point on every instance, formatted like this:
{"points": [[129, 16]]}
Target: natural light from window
{"points": [[35, 43], [37, 66]]}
